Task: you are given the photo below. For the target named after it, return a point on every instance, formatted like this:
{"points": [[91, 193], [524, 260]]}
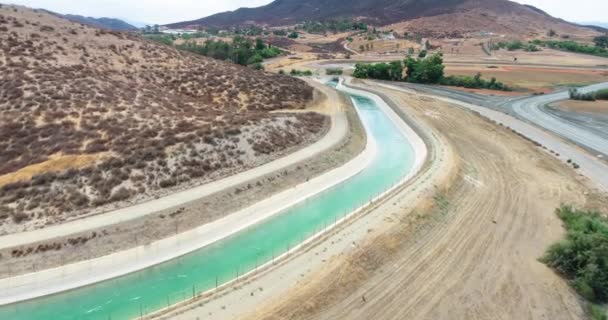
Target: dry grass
{"points": [[163, 116], [56, 163]]}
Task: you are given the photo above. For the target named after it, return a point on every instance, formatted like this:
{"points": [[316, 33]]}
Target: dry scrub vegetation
{"points": [[144, 117]]}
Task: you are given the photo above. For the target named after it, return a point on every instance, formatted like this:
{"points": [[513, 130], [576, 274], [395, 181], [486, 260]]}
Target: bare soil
{"points": [[594, 107], [470, 252]]}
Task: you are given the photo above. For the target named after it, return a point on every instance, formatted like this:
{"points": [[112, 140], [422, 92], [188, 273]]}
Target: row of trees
{"points": [[241, 50], [333, 25], [573, 46], [429, 70], [514, 45], [592, 96], [601, 41]]}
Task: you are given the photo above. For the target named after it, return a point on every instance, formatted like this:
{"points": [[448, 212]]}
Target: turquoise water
{"points": [[156, 287]]}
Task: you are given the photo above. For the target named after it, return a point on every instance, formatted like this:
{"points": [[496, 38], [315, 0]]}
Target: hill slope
{"points": [[90, 117], [468, 15]]}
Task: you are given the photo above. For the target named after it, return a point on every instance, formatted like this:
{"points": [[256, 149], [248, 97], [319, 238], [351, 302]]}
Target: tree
{"points": [[156, 28], [257, 66], [410, 51], [293, 35], [601, 41], [429, 70], [259, 44], [361, 48], [551, 33], [422, 54]]}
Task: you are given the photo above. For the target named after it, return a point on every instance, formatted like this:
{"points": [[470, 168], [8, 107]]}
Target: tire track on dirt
{"points": [[475, 254]]}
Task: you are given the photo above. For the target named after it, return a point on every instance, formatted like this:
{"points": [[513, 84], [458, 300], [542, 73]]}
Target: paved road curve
{"points": [[534, 110], [590, 166]]}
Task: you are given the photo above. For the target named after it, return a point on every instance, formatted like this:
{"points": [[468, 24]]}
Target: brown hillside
{"points": [[491, 16], [89, 117], [438, 18]]}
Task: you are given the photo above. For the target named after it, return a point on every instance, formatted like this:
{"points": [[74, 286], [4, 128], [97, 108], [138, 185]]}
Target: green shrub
{"points": [[582, 257], [293, 35], [576, 95], [601, 41], [476, 82], [300, 73], [428, 71], [601, 95], [241, 51], [597, 312], [334, 71], [572, 46], [257, 66], [515, 45], [532, 48], [382, 71]]}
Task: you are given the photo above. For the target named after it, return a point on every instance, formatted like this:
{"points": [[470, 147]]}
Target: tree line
{"points": [[241, 50], [425, 70]]}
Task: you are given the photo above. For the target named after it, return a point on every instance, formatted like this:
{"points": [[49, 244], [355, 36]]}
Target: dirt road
{"points": [[472, 254]]}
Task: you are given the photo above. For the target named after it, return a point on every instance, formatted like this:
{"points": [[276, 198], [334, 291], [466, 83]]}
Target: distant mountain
{"points": [[137, 24], [499, 16], [599, 26], [103, 23]]}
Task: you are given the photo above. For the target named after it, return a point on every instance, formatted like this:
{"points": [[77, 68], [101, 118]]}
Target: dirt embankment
{"points": [[162, 224], [468, 253]]}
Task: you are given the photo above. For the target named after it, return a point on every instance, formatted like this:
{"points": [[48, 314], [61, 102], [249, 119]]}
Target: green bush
{"points": [[334, 71], [300, 73], [475, 82], [515, 45], [572, 46], [293, 35], [532, 48], [241, 51], [333, 25], [257, 66], [601, 41], [164, 39], [582, 257], [428, 71], [382, 71], [597, 312], [601, 95], [576, 95]]}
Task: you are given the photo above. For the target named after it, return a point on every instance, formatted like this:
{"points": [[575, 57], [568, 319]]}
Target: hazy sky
{"points": [[166, 11]]}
